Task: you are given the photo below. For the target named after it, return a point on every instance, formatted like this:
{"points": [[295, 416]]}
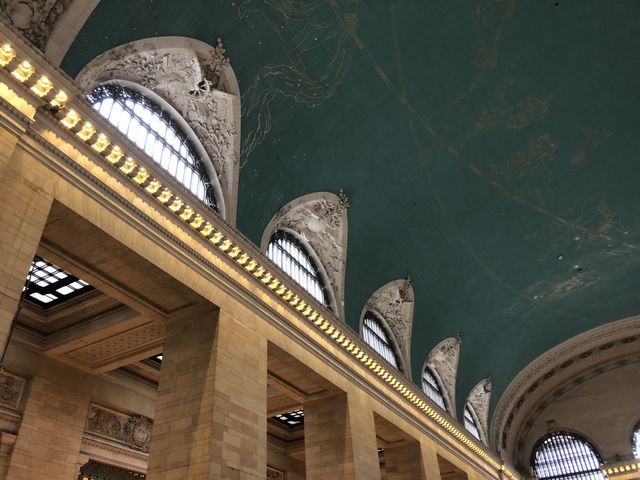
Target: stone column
{"points": [[340, 439], [404, 462], [210, 420], [53, 422], [25, 205], [430, 462]]}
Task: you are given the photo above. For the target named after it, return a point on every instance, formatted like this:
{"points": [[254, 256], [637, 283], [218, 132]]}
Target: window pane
{"points": [[373, 333], [564, 455], [153, 130], [431, 387], [286, 252]]}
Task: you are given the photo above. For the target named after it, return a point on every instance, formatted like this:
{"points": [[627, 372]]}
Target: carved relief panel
{"points": [[11, 390], [133, 431]]}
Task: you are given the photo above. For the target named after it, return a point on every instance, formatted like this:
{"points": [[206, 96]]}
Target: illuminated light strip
{"points": [[622, 468], [44, 90]]}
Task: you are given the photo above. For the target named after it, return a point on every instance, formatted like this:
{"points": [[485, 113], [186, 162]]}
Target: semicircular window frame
{"points": [[433, 389], [635, 441], [164, 142], [563, 455], [376, 335], [294, 258]]}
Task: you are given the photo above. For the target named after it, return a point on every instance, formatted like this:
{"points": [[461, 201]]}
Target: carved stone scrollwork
{"points": [[11, 389], [35, 18], [394, 303], [479, 399], [273, 474], [321, 220], [134, 431], [197, 80], [443, 360]]}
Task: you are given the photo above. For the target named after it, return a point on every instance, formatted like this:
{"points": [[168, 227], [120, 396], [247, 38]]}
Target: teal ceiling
{"points": [[490, 148]]}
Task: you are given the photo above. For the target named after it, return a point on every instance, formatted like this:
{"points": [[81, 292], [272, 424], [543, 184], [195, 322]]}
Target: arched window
{"points": [[635, 441], [432, 388], [153, 130], [566, 456], [470, 422], [292, 257], [374, 334]]}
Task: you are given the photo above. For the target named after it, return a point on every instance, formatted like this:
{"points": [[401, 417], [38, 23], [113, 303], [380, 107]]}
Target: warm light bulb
{"points": [[23, 71], [42, 86], [7, 53], [59, 100], [71, 119]]}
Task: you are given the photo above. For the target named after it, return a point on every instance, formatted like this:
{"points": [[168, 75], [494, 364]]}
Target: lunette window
{"points": [[432, 388], [566, 456], [635, 441], [470, 423], [374, 334], [153, 130], [286, 251]]}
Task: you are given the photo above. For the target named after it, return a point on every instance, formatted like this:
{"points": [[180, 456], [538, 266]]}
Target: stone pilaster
{"points": [[210, 420], [404, 462], [53, 421], [25, 207], [430, 462], [340, 439]]}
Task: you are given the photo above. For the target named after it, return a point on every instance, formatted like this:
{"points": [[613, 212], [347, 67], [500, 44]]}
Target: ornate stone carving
{"points": [[479, 399], [443, 359], [35, 18], [321, 220], [394, 302], [273, 474], [195, 79], [134, 431], [11, 389]]}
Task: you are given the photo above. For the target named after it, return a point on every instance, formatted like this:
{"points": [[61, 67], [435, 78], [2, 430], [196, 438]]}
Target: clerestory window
{"points": [[470, 423], [286, 251], [373, 332], [432, 388], [153, 130], [566, 456]]}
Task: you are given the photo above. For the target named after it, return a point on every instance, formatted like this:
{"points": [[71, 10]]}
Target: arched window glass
{"points": [[470, 423], [432, 388], [374, 334], [566, 456], [153, 130], [291, 256], [635, 441]]}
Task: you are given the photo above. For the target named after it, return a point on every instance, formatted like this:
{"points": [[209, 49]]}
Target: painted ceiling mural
{"points": [[489, 148]]}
